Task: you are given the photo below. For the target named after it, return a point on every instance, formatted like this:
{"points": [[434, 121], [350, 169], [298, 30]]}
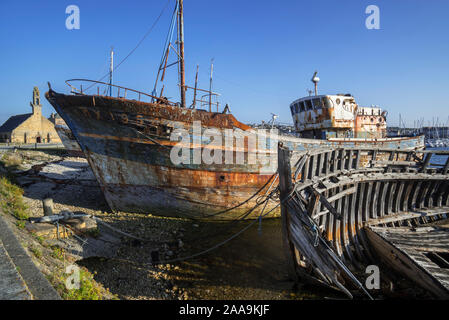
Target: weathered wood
{"points": [[300, 166], [408, 215], [285, 189], [426, 162], [392, 162], [396, 192], [407, 260], [446, 166], [326, 203]]}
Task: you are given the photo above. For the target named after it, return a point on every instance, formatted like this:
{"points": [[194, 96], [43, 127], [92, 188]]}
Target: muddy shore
{"points": [[251, 266]]}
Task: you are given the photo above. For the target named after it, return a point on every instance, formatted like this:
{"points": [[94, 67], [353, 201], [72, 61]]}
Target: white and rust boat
{"points": [[128, 141]]}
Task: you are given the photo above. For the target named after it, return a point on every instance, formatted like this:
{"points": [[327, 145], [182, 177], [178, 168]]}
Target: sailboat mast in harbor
{"points": [[181, 52]]}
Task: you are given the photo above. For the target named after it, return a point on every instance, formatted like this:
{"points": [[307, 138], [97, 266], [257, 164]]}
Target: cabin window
{"points": [[316, 103], [308, 104], [326, 103], [301, 106], [291, 109], [297, 107]]}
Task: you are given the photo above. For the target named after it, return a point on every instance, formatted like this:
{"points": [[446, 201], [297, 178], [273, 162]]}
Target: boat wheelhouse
{"points": [[337, 116]]}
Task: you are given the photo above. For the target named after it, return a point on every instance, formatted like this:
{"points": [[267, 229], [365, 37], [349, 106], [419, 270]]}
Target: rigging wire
{"points": [[138, 44]]}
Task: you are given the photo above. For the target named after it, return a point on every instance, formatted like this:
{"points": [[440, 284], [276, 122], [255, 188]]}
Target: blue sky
{"points": [[264, 52]]}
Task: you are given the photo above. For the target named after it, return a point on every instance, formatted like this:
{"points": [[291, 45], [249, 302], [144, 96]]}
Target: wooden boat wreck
{"points": [[339, 216], [128, 141]]}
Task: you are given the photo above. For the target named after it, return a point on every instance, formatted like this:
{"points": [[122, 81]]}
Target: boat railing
{"points": [[103, 88], [316, 164]]}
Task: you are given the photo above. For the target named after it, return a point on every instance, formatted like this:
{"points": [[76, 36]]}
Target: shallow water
{"points": [[251, 266]]}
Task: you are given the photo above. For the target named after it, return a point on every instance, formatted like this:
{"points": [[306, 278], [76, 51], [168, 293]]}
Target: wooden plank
{"points": [[312, 169], [300, 166], [353, 227], [357, 159], [407, 195], [350, 164], [326, 203], [285, 188], [383, 198], [374, 204], [321, 164], [446, 166], [336, 236], [391, 197], [360, 222], [341, 163], [397, 201], [344, 231], [408, 215], [414, 195], [422, 194], [305, 173], [402, 262], [393, 162], [426, 162], [335, 161]]}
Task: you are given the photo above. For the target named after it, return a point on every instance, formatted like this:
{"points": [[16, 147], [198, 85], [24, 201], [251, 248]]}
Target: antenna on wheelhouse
{"points": [[210, 85], [315, 81], [111, 70], [181, 52]]}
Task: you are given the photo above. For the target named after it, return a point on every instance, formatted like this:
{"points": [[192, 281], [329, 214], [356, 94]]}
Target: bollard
{"points": [[48, 206]]}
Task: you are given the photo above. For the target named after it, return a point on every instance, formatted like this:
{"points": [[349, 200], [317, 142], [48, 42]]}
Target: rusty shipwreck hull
{"points": [[127, 143]]}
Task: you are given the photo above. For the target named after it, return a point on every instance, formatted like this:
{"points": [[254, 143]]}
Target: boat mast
{"points": [[210, 85], [111, 70], [181, 52]]}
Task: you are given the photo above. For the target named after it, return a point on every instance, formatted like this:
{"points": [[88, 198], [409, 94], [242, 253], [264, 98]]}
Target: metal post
{"points": [[111, 70], [210, 84], [196, 85], [181, 52], [47, 204]]}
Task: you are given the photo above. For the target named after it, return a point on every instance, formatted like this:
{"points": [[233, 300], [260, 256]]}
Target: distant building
{"points": [[30, 127], [56, 119]]}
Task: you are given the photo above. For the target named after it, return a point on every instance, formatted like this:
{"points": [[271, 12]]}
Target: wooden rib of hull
{"points": [[344, 198]]}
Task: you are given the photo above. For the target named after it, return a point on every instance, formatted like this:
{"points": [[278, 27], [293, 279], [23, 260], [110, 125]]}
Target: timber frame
{"points": [[342, 207]]}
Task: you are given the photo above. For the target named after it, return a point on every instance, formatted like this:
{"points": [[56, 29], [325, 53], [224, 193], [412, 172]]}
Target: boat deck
{"points": [[421, 253]]}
